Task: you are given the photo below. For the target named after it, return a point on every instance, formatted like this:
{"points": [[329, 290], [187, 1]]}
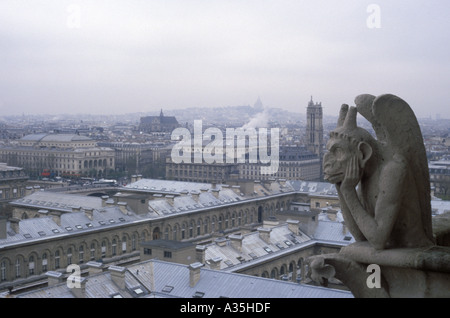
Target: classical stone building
{"points": [[13, 184], [163, 280], [65, 155], [50, 233]]}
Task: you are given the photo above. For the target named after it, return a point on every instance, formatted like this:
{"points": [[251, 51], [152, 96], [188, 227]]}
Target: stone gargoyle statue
{"points": [[384, 191]]}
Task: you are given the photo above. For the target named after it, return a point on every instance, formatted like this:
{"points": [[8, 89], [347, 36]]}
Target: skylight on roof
{"points": [[55, 231], [41, 233], [198, 294], [78, 226], [68, 228], [167, 289], [27, 235]]}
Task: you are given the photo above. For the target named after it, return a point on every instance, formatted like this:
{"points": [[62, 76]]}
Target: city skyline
{"points": [[116, 57]]}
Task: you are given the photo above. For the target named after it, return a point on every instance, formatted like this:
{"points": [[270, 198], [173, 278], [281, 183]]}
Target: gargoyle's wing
{"points": [[398, 130]]}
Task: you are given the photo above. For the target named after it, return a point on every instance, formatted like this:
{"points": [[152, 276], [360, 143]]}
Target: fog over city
{"points": [[115, 57]]}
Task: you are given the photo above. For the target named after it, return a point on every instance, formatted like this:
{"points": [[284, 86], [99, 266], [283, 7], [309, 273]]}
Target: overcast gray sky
{"points": [[111, 56]]}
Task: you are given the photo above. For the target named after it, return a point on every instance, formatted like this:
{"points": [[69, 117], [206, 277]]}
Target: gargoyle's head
{"points": [[346, 141]]}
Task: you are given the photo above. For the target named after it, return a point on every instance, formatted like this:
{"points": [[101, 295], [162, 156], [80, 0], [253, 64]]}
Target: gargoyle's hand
{"points": [[320, 272], [352, 175]]}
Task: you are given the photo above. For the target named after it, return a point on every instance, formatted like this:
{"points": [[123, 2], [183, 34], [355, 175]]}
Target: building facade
{"points": [[13, 184], [63, 155], [48, 233]]}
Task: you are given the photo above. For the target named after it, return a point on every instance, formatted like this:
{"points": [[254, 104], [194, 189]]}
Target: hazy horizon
{"points": [[118, 57]]}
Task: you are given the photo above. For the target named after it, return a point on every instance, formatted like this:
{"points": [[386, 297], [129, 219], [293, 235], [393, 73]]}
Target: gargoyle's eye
{"points": [[338, 153]]}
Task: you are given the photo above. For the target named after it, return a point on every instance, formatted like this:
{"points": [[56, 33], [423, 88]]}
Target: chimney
{"points": [[264, 234], [89, 212], [123, 207], [118, 275], [213, 185], [214, 263], [104, 199], [215, 192], [170, 199], [293, 226], [76, 208], [200, 253], [331, 214], [79, 288], [54, 278], [195, 195], [14, 223], [282, 182], [138, 177], [344, 228], [56, 217], [221, 241], [3, 231], [236, 241], [94, 267], [203, 190], [28, 190], [109, 202], [133, 178], [194, 273], [236, 189]]}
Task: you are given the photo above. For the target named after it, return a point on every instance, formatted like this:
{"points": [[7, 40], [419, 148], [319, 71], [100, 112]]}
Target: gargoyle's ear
{"points": [[364, 153]]}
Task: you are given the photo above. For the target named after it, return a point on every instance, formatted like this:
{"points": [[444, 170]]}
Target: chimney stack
{"points": [[89, 212], [236, 241], [170, 199], [215, 192], [56, 217], [118, 275], [264, 234], [104, 199], [214, 263], [123, 207], [79, 288], [94, 267], [344, 228], [200, 253], [293, 226], [54, 278], [194, 273], [14, 223], [195, 195], [236, 189]]}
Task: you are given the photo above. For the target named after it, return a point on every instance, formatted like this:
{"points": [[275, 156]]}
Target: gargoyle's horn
{"points": [[342, 115], [350, 119]]}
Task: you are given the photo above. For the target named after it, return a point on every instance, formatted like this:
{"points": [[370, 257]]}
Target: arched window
{"points": [[81, 254], [133, 242], [69, 256], [44, 262], [17, 268], [92, 251], [124, 244], [31, 265], [57, 260], [3, 271], [103, 249], [114, 247]]}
